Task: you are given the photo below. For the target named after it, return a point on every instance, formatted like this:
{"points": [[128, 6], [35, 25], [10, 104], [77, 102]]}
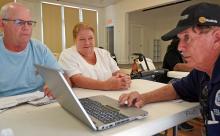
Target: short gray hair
{"points": [[4, 10]]}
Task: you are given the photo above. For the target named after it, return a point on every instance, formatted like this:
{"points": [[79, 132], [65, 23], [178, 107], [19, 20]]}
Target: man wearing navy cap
{"points": [[199, 34]]}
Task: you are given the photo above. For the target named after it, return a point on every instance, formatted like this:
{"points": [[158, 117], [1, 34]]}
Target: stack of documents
{"points": [[42, 101], [36, 98]]}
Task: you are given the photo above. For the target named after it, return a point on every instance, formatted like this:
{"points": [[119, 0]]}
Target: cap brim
{"points": [[173, 33]]}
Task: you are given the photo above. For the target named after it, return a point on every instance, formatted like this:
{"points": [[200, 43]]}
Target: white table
{"points": [[52, 120], [177, 74]]}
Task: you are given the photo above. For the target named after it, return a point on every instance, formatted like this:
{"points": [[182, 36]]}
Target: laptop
{"points": [[98, 112]]}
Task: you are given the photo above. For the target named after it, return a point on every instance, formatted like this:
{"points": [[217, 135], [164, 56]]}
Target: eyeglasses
{"points": [[20, 22]]}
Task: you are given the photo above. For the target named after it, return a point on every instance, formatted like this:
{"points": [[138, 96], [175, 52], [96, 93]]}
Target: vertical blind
{"points": [[71, 18], [52, 27], [90, 17], [52, 24]]}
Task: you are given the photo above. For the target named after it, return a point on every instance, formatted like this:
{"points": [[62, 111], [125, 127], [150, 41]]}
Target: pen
{"points": [[212, 115], [213, 121]]}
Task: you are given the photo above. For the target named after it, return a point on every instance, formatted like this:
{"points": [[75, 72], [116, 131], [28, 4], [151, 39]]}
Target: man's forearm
{"points": [[162, 94], [182, 67]]}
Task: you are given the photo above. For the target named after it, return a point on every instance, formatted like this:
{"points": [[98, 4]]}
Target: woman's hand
{"points": [[118, 82]]}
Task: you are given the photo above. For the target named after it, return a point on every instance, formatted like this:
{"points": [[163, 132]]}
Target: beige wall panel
{"points": [[90, 17], [52, 28], [71, 17]]}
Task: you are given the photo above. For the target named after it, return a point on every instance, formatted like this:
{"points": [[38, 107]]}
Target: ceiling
{"points": [[94, 3]]}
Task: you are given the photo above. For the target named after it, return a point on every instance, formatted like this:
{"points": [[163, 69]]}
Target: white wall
{"points": [[119, 15], [159, 21], [156, 22]]}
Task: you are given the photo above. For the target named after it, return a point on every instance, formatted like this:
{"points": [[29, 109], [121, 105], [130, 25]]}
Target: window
{"points": [[52, 27], [71, 18], [90, 17]]}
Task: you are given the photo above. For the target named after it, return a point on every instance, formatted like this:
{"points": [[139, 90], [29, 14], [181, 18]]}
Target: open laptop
{"points": [[98, 112]]}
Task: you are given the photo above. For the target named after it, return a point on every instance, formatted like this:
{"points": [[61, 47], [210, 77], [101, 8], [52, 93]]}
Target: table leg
{"points": [[175, 130]]}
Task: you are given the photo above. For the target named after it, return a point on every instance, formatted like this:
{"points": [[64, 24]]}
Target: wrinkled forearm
{"points": [[88, 83], [162, 94]]}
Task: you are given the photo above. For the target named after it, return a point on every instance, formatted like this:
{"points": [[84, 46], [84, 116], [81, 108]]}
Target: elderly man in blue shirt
{"points": [[19, 53]]}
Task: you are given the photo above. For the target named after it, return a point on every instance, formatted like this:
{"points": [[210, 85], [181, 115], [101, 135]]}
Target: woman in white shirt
{"points": [[91, 67]]}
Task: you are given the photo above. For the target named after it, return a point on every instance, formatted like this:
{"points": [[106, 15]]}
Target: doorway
{"points": [[136, 39], [110, 39]]}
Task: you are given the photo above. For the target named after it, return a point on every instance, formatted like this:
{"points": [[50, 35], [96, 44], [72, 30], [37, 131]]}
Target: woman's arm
{"points": [[182, 67], [113, 83]]}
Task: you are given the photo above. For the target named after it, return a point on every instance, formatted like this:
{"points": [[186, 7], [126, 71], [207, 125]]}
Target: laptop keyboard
{"points": [[104, 113]]}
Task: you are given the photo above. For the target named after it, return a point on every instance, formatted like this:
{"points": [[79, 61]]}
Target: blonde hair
{"points": [[80, 26]]}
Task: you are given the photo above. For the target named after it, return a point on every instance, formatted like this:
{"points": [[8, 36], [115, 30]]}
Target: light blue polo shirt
{"points": [[17, 71]]}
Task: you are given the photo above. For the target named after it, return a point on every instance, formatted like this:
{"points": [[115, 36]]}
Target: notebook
{"points": [[98, 112]]}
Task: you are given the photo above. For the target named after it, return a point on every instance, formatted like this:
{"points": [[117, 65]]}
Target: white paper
{"points": [[43, 101], [11, 101], [6, 132], [178, 100]]}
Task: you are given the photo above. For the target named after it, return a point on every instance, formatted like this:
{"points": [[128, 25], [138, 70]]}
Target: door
{"points": [[110, 39], [136, 39]]}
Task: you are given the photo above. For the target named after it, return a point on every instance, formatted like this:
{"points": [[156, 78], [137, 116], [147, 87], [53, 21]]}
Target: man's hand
{"points": [[47, 92], [131, 99]]}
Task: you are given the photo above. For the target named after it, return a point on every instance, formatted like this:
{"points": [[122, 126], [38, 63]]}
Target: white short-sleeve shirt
{"points": [[73, 63]]}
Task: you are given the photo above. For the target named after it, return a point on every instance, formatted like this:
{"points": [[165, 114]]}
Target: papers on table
{"points": [[6, 132], [177, 74], [43, 101], [2, 111], [178, 100], [36, 98]]}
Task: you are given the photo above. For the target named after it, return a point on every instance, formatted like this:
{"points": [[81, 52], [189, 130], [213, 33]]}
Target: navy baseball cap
{"points": [[202, 14]]}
